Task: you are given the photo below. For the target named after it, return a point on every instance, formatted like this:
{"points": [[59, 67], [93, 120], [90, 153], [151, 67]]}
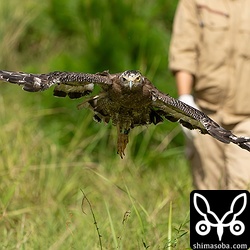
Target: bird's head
{"points": [[131, 78]]}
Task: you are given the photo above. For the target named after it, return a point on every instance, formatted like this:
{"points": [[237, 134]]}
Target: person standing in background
{"points": [[210, 59]]}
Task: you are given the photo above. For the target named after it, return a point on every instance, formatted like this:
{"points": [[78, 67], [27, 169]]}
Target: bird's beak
{"points": [[131, 84]]}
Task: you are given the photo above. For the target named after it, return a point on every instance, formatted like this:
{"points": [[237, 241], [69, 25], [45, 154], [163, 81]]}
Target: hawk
{"points": [[126, 99]]}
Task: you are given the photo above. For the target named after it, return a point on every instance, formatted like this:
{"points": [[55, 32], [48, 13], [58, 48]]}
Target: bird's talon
{"points": [[122, 142]]}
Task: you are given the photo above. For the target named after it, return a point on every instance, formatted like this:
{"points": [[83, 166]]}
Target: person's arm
{"points": [[183, 49], [183, 46], [184, 82], [183, 53]]}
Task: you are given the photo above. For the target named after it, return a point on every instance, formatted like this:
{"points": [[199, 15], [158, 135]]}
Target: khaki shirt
{"points": [[211, 40]]}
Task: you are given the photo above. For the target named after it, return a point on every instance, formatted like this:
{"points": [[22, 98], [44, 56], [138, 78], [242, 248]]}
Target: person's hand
{"points": [[188, 99]]}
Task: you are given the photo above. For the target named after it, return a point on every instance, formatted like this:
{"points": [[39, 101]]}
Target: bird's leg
{"points": [[122, 140]]}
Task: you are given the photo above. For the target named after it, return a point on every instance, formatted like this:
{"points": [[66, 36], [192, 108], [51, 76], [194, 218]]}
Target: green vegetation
{"points": [[52, 154]]}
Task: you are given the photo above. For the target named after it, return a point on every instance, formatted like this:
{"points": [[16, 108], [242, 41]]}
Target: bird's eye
{"points": [[124, 79], [138, 78]]}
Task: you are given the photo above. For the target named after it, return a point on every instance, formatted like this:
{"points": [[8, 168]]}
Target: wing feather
{"points": [[175, 110], [72, 84]]}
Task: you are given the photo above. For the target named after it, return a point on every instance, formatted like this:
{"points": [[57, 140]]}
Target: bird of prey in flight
{"points": [[126, 99]]}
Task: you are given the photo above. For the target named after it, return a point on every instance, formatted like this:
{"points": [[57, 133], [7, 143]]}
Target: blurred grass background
{"points": [[51, 152]]}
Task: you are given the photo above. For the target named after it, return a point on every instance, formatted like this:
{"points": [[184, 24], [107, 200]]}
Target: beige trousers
{"points": [[216, 165]]}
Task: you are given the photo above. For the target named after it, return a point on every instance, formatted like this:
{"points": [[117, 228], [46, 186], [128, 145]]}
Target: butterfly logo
{"points": [[210, 219]]}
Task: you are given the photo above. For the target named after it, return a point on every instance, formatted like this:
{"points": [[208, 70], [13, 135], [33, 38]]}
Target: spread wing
{"points": [[75, 85], [191, 118]]}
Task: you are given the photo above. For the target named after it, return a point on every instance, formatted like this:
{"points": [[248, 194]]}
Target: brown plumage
{"points": [[127, 99]]}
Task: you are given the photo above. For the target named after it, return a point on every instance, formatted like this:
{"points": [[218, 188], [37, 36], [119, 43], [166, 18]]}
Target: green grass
{"points": [[62, 185], [43, 175]]}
